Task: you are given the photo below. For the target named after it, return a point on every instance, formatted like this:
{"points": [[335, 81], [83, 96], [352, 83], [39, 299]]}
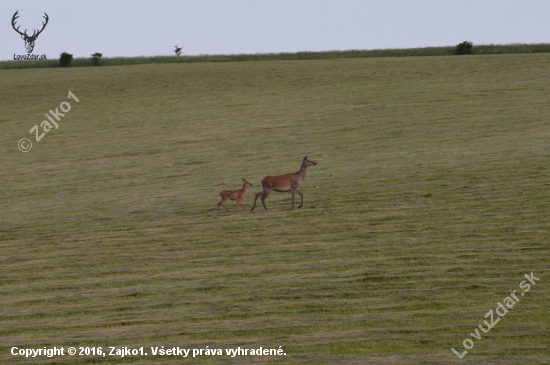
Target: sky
{"points": [[149, 28]]}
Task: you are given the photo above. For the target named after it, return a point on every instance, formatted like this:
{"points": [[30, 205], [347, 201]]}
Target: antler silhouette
{"points": [[43, 24], [34, 34], [15, 16]]}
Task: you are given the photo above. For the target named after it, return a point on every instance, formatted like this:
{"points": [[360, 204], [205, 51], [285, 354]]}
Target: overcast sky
{"points": [[136, 28]]}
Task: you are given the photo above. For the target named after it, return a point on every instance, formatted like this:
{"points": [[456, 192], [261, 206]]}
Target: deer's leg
{"points": [[221, 203], [301, 196], [236, 205], [266, 193], [256, 198], [292, 192]]}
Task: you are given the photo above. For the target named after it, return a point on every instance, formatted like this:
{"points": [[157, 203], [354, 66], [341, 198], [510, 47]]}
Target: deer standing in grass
{"points": [[237, 195], [284, 183]]}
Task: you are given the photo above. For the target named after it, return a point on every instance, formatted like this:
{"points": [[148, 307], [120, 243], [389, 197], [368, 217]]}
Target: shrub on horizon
{"points": [[96, 58], [65, 59], [464, 48]]}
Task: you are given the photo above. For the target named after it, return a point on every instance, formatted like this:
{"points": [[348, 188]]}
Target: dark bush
{"points": [[464, 48], [96, 59], [65, 59]]}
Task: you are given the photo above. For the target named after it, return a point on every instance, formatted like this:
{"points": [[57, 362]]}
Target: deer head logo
{"points": [[29, 40]]}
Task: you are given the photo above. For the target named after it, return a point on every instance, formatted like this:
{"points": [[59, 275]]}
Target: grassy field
{"points": [[428, 205]]}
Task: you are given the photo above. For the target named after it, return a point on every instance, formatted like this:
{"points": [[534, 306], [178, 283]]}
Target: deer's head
{"points": [[29, 40], [309, 163]]}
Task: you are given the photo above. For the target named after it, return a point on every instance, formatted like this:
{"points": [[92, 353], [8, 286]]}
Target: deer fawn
{"points": [[237, 195], [283, 183]]}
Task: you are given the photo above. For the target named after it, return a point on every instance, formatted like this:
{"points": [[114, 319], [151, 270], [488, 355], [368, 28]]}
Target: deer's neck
{"points": [[244, 188], [302, 172]]}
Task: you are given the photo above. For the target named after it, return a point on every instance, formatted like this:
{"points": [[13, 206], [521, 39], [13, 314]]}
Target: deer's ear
{"points": [[305, 158]]}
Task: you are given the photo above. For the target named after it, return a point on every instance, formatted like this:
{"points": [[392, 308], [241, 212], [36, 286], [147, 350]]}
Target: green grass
{"points": [[428, 205], [286, 56]]}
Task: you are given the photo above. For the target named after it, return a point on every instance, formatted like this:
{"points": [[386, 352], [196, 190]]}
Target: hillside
{"points": [[428, 205]]}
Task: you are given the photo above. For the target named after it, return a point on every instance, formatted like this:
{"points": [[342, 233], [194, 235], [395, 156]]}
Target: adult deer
{"points": [[29, 40], [237, 195], [284, 183]]}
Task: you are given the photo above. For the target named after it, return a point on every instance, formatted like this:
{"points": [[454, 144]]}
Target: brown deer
{"points": [[284, 183], [237, 195]]}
